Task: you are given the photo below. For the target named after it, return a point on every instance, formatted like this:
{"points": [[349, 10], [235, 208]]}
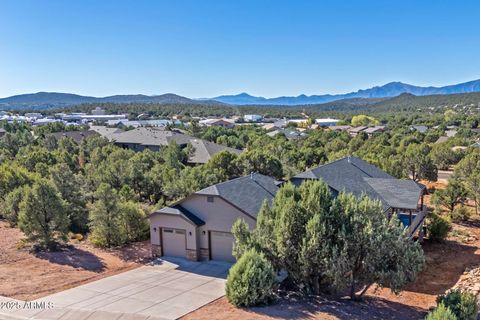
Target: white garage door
{"points": [[173, 241], [221, 246]]}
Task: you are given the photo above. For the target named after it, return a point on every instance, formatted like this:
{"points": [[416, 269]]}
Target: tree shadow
{"points": [[369, 308], [140, 252], [74, 257], [445, 263]]}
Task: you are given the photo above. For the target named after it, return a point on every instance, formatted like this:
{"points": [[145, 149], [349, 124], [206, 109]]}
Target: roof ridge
{"points": [[361, 168]]}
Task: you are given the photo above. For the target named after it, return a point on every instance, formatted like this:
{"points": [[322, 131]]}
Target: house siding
{"points": [[168, 221], [218, 215]]}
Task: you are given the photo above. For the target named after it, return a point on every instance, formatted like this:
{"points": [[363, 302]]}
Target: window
{"points": [[209, 199], [168, 230]]}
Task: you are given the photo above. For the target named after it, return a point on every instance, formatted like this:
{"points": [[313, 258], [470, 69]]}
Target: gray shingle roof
{"points": [[246, 193], [150, 137], [181, 211], [204, 150], [397, 193], [106, 131], [354, 175]]}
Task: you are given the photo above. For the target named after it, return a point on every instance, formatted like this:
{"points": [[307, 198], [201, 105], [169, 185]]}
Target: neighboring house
{"points": [[290, 134], [199, 226], [270, 126], [2, 132], [451, 133], [106, 132], [143, 138], [252, 118], [473, 145], [442, 139], [421, 129], [339, 128], [78, 136], [351, 174], [371, 131], [355, 131], [204, 150], [224, 123], [328, 122]]}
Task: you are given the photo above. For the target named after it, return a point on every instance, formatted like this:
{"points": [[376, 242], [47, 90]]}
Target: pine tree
{"points": [[42, 215]]}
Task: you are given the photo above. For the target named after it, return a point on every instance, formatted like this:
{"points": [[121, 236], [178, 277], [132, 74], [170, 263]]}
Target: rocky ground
{"points": [[25, 275]]}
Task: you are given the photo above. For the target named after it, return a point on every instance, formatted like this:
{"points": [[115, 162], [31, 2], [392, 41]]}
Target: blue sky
{"points": [[206, 48]]}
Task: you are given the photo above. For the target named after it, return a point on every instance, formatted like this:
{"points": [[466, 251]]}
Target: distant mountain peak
{"points": [[388, 90]]}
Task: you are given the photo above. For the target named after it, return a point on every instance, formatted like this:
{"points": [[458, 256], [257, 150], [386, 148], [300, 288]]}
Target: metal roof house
{"points": [[351, 174], [198, 227]]}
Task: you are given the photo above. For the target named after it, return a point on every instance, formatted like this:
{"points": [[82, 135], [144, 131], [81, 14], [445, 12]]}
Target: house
{"points": [[451, 133], [224, 123], [355, 131], [270, 126], [339, 128], [106, 132], [442, 139], [371, 131], [199, 226], [77, 136], [351, 174], [204, 151], [421, 129], [2, 132], [328, 122], [252, 118], [153, 138], [290, 134]]}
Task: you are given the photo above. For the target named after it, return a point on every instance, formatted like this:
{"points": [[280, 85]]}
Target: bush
{"points": [[460, 214], [441, 313], [462, 304], [439, 227], [250, 281]]}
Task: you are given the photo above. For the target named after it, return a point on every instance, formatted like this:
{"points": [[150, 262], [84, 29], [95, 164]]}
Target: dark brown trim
{"points": [[160, 229], [209, 245], [174, 215]]}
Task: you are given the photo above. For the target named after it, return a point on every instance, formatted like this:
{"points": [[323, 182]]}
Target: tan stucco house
{"points": [[199, 226]]}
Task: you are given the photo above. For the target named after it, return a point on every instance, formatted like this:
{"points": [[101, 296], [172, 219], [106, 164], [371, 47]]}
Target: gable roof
{"points": [[106, 131], [354, 175], [178, 210], [246, 193], [150, 137], [204, 150]]}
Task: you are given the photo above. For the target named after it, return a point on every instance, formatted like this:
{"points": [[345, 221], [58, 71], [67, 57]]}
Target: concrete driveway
{"points": [[168, 289]]}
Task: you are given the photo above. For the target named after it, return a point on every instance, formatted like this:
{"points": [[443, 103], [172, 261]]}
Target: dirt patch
{"points": [[445, 265], [318, 308], [27, 276]]}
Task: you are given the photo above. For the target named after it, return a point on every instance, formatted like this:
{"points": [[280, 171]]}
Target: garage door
{"points": [[221, 246], [173, 241]]}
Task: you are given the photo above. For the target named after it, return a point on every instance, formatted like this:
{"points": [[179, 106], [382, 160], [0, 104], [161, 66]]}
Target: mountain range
{"points": [[42, 100], [388, 90]]}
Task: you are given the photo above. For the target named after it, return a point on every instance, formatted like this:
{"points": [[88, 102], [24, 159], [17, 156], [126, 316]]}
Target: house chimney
{"points": [[252, 175], [348, 159]]}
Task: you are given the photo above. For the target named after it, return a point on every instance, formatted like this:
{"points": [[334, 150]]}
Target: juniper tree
{"points": [[42, 215]]}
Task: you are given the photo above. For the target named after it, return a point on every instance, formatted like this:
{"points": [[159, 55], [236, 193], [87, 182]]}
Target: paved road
{"points": [[166, 290]]}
